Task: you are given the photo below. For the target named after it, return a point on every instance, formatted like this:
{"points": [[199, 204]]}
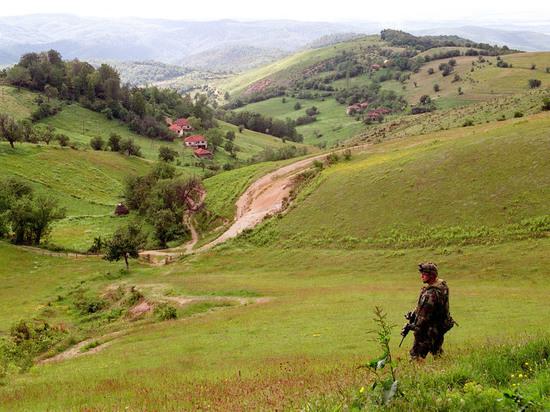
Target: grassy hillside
{"points": [[321, 299], [479, 81], [290, 67], [88, 184], [18, 103], [332, 125], [479, 184]]}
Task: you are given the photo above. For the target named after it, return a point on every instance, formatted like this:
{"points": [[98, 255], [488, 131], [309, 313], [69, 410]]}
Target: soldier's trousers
{"points": [[427, 341]]}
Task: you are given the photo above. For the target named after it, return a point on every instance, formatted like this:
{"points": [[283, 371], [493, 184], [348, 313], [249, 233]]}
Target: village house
{"points": [[196, 141], [356, 108], [179, 126], [203, 153]]}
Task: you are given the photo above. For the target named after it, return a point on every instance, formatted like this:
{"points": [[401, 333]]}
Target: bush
{"points": [[546, 103], [436, 88], [166, 312], [468, 122], [167, 154], [62, 139], [534, 83], [431, 70], [297, 106], [518, 114], [97, 143]]}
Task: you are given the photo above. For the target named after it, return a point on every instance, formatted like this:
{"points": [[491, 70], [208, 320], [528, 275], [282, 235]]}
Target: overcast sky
{"points": [[308, 10]]}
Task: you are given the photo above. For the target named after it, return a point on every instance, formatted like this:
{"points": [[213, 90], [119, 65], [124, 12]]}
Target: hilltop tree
{"points": [[19, 76], [534, 83], [124, 244], [9, 129]]}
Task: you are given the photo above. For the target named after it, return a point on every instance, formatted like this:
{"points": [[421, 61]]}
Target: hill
{"points": [[280, 317], [233, 58], [446, 188]]}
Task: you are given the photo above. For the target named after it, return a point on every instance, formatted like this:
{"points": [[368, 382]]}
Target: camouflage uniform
{"points": [[432, 313]]}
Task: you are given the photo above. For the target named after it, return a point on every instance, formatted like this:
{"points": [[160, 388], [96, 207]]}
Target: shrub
{"points": [[62, 139], [97, 143], [436, 88], [468, 122], [546, 103], [534, 83], [518, 114], [166, 312], [431, 70]]}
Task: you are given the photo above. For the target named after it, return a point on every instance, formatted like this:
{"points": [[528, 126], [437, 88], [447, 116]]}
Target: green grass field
{"points": [[280, 352], [476, 184], [88, 184], [284, 70], [484, 82], [18, 103], [319, 280], [333, 125]]}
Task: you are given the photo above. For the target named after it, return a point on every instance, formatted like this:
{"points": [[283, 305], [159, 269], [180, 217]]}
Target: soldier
{"points": [[432, 317]]}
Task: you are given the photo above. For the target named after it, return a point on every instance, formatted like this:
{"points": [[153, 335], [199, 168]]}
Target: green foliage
{"points": [[124, 244], [28, 216], [166, 312], [97, 143], [167, 154]]}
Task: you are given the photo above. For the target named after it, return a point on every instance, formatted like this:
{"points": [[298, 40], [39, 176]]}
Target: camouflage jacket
{"points": [[433, 306]]}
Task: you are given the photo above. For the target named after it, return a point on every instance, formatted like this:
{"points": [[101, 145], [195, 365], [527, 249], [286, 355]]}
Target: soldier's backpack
{"points": [[447, 321]]}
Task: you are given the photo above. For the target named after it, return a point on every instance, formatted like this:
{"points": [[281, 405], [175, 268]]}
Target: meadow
{"points": [[332, 126], [313, 326], [303, 328], [478, 184]]}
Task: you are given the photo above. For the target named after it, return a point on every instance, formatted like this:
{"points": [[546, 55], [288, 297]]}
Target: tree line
{"points": [[100, 89]]}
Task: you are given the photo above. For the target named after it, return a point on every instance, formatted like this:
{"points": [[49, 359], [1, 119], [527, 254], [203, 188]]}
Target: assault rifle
{"points": [[411, 320]]}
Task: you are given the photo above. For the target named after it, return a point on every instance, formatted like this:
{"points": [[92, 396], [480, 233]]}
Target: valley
{"points": [[261, 263]]}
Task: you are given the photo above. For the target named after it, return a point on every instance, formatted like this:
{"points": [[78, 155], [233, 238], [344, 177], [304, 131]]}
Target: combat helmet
{"points": [[428, 267]]}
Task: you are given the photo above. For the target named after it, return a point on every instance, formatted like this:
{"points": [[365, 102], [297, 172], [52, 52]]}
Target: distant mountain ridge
{"points": [[516, 39], [167, 41]]}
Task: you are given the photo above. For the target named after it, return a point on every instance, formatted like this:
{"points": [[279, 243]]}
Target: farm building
{"points": [[203, 153], [196, 141]]}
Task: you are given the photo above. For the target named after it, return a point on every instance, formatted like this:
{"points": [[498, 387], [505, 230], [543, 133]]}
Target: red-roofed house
{"points": [[176, 129], [203, 153], [196, 141], [184, 124]]}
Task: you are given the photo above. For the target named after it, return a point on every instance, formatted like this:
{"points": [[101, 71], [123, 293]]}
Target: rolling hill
{"points": [[280, 318]]}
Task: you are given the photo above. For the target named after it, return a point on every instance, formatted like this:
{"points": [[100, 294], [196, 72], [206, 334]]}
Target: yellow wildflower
{"points": [[362, 389]]}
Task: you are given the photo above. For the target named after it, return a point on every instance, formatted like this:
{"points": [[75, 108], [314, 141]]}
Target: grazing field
{"points": [[479, 184], [88, 184], [306, 339], [282, 314], [289, 68], [18, 103], [479, 80], [333, 125]]}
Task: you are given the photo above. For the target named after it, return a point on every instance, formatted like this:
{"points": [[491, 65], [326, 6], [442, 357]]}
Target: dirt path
{"points": [[265, 197], [164, 256]]}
